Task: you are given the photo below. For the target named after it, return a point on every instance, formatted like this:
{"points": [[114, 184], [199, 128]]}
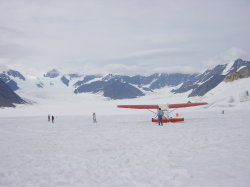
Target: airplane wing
{"points": [[139, 106], [181, 105]]}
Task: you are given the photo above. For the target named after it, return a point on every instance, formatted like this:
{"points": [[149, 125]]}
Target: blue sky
{"points": [[117, 36]]}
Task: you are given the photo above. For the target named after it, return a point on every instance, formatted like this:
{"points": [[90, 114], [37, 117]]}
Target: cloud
{"points": [[154, 52], [122, 69], [139, 34], [227, 56]]}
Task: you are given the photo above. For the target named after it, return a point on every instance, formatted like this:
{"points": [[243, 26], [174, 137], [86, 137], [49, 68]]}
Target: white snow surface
{"points": [[124, 148], [209, 149]]}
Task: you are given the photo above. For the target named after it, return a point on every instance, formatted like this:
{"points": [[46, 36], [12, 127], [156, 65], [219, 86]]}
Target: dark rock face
{"points": [[65, 80], [207, 81], [241, 74], [13, 85], [207, 86], [119, 90], [16, 74], [7, 80], [52, 74], [8, 97], [113, 89]]}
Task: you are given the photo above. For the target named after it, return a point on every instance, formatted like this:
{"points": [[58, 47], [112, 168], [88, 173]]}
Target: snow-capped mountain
{"points": [[201, 84], [9, 78], [130, 87], [55, 84]]}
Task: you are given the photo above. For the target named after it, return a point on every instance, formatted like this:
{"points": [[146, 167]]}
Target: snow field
{"points": [[209, 149]]}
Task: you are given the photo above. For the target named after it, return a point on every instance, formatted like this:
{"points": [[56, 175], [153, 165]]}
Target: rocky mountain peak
{"points": [[242, 73], [15, 74], [238, 64], [52, 73]]}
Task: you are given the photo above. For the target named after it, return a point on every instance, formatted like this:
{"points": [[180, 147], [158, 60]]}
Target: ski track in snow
{"points": [[209, 149]]}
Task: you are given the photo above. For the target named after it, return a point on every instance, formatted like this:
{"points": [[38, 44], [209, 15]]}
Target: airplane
{"points": [[165, 108]]}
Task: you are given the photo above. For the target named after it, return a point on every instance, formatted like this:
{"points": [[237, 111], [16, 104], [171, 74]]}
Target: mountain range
{"points": [[119, 86]]}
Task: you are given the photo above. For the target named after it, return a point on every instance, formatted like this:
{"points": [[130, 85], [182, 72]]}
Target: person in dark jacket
{"points": [[49, 118], [94, 117], [160, 114], [53, 118]]}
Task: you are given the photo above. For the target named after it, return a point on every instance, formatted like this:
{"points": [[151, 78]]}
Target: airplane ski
{"points": [[172, 120]]}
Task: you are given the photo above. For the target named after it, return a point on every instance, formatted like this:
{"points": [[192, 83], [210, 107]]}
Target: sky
{"points": [[122, 36]]}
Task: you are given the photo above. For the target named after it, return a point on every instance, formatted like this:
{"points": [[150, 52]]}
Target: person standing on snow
{"points": [[49, 118], [160, 114], [53, 118], [94, 118]]}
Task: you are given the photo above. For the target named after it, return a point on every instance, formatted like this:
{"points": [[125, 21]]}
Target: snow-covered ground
{"points": [[209, 149], [124, 148]]}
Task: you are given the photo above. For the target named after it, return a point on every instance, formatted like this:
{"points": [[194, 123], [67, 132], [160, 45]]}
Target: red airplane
{"points": [[165, 108]]}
